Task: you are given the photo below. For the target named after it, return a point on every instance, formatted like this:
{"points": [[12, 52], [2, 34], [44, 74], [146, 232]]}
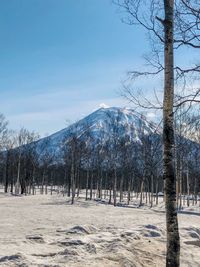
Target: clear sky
{"points": [[60, 59]]}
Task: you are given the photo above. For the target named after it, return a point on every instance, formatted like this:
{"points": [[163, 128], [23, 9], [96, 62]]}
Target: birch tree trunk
{"points": [[141, 191], [87, 184], [73, 179], [6, 172], [91, 185], [115, 187], [152, 183], [18, 175], [121, 188], [188, 188], [173, 241]]}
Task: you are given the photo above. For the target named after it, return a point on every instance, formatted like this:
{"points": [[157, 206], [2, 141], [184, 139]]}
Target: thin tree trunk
{"points": [[6, 172], [91, 185], [87, 183], [121, 188], [69, 185], [129, 191], [43, 179], [18, 176], [152, 180], [141, 191], [180, 187], [73, 179], [188, 188], [157, 191], [115, 187]]}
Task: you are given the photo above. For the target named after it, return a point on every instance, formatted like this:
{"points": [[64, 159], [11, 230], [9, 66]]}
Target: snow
{"points": [[103, 105], [45, 230], [101, 123]]}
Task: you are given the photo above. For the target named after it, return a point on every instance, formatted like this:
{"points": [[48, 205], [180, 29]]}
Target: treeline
{"points": [[110, 166]]}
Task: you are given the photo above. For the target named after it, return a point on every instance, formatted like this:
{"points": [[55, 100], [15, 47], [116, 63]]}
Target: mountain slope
{"points": [[104, 124]]}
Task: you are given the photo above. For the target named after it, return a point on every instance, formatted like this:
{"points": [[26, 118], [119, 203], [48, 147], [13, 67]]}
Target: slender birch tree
{"points": [[169, 23]]}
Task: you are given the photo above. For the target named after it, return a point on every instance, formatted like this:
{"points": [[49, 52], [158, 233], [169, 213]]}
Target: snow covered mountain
{"points": [[104, 123]]}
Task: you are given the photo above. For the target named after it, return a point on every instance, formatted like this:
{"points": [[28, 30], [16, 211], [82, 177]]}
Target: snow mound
{"points": [[14, 260]]}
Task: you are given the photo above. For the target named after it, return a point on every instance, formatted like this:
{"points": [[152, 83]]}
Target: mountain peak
{"points": [[103, 123]]}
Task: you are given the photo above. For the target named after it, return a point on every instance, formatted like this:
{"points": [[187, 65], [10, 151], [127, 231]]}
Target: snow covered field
{"points": [[45, 230]]}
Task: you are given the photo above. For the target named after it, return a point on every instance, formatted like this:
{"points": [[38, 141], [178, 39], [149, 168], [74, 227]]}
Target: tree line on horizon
{"points": [[111, 168]]}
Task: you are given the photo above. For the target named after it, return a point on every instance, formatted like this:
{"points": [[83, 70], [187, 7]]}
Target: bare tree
{"points": [[158, 18]]}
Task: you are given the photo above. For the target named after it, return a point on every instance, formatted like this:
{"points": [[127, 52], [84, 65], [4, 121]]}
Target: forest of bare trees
{"points": [[115, 169]]}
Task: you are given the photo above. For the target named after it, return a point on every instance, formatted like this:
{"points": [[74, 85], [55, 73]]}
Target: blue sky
{"points": [[60, 59]]}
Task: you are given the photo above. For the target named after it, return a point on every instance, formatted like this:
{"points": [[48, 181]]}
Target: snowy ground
{"points": [[45, 230]]}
